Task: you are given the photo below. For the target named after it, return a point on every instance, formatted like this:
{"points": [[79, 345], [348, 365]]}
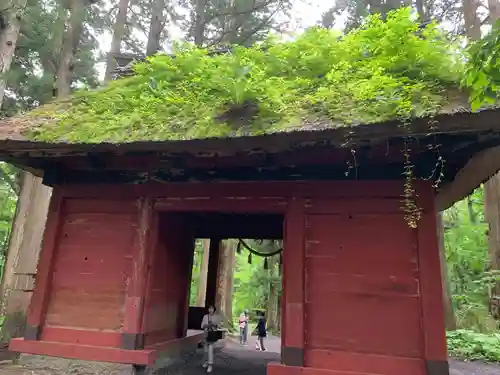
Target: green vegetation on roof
{"points": [[383, 70]]}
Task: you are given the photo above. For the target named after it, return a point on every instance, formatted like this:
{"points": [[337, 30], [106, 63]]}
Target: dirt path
{"points": [[473, 368], [232, 360]]}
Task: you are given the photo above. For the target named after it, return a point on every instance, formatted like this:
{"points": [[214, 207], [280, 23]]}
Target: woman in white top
{"points": [[210, 323]]}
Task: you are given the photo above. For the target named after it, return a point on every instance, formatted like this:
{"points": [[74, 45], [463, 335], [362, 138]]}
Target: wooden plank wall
{"points": [[362, 297], [91, 271], [165, 316]]}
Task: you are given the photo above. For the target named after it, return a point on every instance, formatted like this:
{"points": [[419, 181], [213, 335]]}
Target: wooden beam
{"points": [[351, 171], [431, 296], [479, 169], [132, 334], [292, 351]]}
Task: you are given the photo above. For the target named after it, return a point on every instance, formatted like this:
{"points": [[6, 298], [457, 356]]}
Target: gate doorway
{"points": [[177, 233]]}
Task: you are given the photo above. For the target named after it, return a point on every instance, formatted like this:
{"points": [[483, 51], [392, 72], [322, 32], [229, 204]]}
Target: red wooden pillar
{"points": [[292, 351], [213, 269], [132, 333], [433, 322], [43, 283]]}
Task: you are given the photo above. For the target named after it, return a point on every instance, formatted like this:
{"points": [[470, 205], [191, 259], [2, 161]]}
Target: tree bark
{"points": [[224, 280], [155, 27], [8, 41], [23, 250], [472, 22], [31, 213], [118, 33], [220, 301], [272, 302], [201, 294], [421, 9], [231, 260], [494, 10], [492, 214], [447, 302], [70, 45], [199, 23], [492, 204], [472, 213]]}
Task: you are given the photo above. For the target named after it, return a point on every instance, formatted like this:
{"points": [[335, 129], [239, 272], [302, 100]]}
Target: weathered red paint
{"points": [[136, 292], [165, 316], [92, 265], [146, 356], [279, 369], [293, 275], [361, 289], [186, 267], [84, 352], [430, 284], [362, 292], [280, 189]]}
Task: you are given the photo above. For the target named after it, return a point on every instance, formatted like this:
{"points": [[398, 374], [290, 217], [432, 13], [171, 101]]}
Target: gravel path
{"points": [[231, 360]]}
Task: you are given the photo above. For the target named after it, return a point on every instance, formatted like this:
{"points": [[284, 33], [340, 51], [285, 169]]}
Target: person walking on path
{"points": [[261, 331], [243, 324], [210, 324]]}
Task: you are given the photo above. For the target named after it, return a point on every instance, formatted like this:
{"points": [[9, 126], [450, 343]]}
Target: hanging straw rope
{"points": [[255, 252]]}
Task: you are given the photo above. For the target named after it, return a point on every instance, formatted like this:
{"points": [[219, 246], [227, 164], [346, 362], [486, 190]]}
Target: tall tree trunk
{"points": [[492, 206], [470, 209], [224, 280], [201, 294], [32, 207], [421, 9], [155, 27], [472, 22], [220, 300], [272, 302], [494, 10], [70, 45], [31, 211], [448, 306], [8, 41], [492, 214], [118, 33], [231, 262], [22, 254], [199, 22]]}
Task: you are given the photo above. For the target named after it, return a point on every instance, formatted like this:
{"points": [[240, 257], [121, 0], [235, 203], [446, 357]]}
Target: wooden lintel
{"points": [[351, 170], [478, 170]]}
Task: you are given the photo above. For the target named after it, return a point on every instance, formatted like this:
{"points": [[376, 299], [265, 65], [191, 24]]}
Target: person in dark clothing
{"points": [[261, 331]]}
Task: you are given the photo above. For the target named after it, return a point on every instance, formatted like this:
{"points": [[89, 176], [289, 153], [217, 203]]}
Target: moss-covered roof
{"points": [[383, 71]]}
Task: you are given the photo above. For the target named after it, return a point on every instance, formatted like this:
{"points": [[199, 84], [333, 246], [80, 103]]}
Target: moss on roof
{"points": [[381, 71]]}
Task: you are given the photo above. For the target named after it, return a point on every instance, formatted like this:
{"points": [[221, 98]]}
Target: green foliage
{"points": [[482, 74], [251, 283], [31, 78], [467, 261], [383, 70], [195, 278], [471, 345]]}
